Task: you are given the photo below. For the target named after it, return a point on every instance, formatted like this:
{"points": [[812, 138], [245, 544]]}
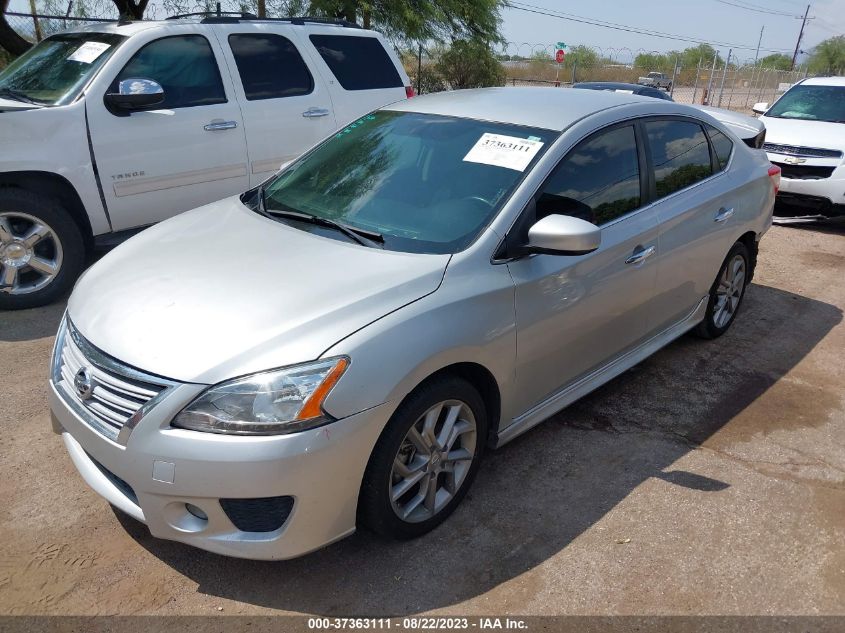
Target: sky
{"points": [[708, 20]]}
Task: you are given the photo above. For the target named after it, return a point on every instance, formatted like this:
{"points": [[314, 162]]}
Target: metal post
{"points": [[800, 35], [750, 85], [419, 70], [710, 80], [695, 85], [724, 74], [762, 84], [35, 23], [574, 69], [674, 76], [760, 41]]}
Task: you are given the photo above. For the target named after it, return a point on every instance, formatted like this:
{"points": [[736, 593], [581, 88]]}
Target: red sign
{"points": [[559, 54]]}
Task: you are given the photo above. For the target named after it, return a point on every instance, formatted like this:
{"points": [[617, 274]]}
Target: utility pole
{"points": [[800, 35], [760, 41]]}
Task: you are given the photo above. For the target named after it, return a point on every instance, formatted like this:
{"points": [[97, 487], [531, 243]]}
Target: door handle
{"points": [[723, 214], [640, 255], [220, 124], [312, 113]]}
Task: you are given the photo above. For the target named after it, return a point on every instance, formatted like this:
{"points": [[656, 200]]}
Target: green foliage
{"points": [[470, 64], [828, 58], [687, 58], [777, 61]]}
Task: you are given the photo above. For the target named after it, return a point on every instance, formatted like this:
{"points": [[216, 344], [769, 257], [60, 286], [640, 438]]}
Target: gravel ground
{"points": [[710, 479]]}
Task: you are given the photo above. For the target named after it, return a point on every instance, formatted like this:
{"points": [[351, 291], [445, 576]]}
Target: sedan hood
{"points": [[221, 291], [821, 134]]}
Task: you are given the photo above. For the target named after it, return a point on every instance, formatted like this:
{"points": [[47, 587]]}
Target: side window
{"points": [[359, 63], [270, 67], [680, 154], [598, 181], [722, 145], [185, 67]]}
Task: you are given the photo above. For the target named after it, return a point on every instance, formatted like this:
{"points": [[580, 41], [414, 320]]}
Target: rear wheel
{"points": [[424, 462], [727, 293], [41, 249]]}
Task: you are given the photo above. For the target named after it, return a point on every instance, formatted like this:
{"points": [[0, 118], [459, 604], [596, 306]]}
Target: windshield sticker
{"points": [[499, 150], [88, 52]]}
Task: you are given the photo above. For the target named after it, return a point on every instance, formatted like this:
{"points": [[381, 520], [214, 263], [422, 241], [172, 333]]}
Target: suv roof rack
{"points": [[212, 17]]}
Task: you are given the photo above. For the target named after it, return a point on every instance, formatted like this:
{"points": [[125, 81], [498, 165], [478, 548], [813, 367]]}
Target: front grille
{"points": [[804, 172], [266, 514], [115, 392], [795, 150]]}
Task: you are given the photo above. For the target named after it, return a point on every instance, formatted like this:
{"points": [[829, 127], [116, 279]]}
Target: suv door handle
{"points": [[640, 255], [311, 113], [220, 124], [723, 214]]}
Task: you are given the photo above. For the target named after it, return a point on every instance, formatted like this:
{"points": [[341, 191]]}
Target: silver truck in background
{"points": [[656, 80]]}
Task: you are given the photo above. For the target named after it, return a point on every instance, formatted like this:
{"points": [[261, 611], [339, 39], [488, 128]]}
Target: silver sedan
{"points": [[339, 346]]}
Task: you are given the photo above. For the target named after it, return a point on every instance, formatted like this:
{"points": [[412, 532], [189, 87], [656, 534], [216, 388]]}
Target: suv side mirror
{"points": [[563, 235], [760, 108], [135, 94]]}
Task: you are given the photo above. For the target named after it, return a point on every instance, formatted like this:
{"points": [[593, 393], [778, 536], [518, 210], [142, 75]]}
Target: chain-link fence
{"points": [[35, 27]]}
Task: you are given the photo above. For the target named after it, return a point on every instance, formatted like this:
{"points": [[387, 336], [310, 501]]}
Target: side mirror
{"points": [[760, 108], [563, 235], [135, 94]]}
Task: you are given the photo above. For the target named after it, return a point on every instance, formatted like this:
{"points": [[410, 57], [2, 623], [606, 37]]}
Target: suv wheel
{"points": [[41, 249], [726, 293], [424, 462]]}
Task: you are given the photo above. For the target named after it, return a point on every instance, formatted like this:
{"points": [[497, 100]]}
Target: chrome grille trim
{"points": [[121, 395], [796, 150]]}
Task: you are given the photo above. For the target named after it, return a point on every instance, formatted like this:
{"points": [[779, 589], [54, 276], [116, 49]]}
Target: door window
{"points": [[270, 67], [598, 181], [185, 67], [359, 63], [680, 154], [722, 145]]}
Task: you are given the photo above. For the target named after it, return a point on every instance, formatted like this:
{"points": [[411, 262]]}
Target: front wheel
{"points": [[41, 249], [726, 294], [425, 460]]}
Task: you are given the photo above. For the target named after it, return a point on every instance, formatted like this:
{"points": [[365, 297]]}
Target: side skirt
{"points": [[600, 376]]}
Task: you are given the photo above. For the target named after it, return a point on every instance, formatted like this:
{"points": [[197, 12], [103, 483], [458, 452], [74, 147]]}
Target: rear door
{"points": [[286, 104], [363, 72], [189, 151], [697, 205]]}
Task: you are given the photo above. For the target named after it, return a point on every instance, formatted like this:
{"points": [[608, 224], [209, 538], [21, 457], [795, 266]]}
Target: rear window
{"points": [[358, 63]]}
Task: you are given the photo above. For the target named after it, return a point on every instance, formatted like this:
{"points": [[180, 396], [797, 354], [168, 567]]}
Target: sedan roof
{"points": [[549, 108]]}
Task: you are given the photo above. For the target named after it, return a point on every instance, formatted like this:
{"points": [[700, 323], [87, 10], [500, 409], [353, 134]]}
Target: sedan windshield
{"points": [[812, 103], [56, 70], [420, 183]]}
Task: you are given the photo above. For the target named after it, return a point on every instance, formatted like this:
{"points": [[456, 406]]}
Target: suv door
{"points": [[189, 151], [576, 313], [286, 104], [696, 203]]}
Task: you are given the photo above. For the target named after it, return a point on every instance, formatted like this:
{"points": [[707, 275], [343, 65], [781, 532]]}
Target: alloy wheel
{"points": [[729, 291], [30, 253], [433, 461]]}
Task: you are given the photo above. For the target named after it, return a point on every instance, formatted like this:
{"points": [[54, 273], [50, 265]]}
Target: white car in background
{"points": [[806, 139]]}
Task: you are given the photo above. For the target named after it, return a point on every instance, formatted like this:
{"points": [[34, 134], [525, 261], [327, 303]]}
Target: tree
{"points": [[470, 64], [829, 57], [777, 61], [131, 9]]}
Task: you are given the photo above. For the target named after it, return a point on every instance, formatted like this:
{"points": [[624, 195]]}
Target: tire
{"points": [[376, 510], [715, 322], [61, 247]]}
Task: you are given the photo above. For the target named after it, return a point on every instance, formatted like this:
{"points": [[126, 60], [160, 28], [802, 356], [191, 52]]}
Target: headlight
{"points": [[275, 402]]}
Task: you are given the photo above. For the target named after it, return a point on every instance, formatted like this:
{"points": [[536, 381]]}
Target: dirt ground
{"points": [[710, 479]]}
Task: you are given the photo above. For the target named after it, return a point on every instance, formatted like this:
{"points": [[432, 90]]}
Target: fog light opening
{"points": [[197, 512]]}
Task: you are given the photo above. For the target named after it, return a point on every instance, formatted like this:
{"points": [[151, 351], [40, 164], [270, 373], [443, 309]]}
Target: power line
{"points": [[529, 8], [758, 9]]}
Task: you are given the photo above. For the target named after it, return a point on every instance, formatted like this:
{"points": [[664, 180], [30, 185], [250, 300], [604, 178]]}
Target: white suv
{"points": [[805, 137], [116, 126]]}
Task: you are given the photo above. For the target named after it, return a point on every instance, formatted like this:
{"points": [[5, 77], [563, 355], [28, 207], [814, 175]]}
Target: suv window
{"points": [[722, 145], [680, 154], [359, 63], [185, 67], [270, 67], [598, 181]]}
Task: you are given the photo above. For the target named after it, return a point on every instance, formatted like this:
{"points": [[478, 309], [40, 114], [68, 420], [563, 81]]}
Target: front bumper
{"points": [[161, 468], [810, 196]]}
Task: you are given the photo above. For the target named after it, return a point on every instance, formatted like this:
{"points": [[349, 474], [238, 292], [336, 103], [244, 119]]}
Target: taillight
{"points": [[774, 174], [409, 91]]}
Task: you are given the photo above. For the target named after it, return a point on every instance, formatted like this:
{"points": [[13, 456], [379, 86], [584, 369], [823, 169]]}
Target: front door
{"points": [[576, 313], [189, 151]]}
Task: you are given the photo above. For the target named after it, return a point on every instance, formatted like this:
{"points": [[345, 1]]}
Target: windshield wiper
{"points": [[361, 236], [17, 95]]}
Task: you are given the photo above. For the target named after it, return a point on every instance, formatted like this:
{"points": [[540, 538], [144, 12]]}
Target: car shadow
{"points": [[537, 494], [35, 323]]}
